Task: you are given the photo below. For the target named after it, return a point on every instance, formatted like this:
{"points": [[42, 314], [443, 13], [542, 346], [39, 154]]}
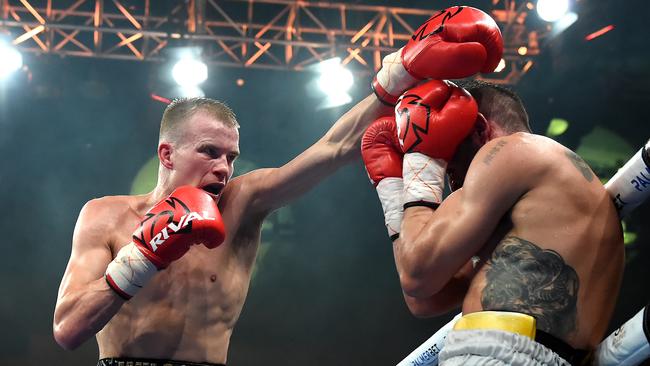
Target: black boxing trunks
{"points": [[127, 361]]}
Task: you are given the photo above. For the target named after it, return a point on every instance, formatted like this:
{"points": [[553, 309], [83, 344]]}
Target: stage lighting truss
{"points": [[270, 34]]}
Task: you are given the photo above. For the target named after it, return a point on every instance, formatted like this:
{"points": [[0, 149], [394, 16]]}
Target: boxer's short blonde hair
{"points": [[180, 110]]}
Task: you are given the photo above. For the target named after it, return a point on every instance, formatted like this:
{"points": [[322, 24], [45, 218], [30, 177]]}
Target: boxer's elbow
{"points": [[68, 337], [65, 339], [419, 308], [417, 286], [417, 273], [418, 281]]}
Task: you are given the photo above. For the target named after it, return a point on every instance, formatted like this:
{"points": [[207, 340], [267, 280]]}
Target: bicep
{"points": [[465, 220], [90, 252]]}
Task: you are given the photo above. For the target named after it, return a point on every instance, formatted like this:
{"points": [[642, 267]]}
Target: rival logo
{"points": [[173, 227]]}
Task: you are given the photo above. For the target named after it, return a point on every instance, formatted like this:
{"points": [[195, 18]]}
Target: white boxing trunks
{"points": [[495, 348]]}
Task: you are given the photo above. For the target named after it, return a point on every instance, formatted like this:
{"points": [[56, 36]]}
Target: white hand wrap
{"points": [[129, 271], [427, 353], [392, 78], [630, 186], [627, 346], [424, 180], [390, 192]]}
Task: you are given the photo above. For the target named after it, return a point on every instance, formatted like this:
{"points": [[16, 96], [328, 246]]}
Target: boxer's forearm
{"points": [[345, 134], [449, 298], [274, 188], [81, 313], [413, 253]]}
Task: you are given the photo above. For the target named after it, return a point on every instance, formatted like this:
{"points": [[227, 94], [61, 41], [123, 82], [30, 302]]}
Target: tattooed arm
{"points": [[434, 245]]}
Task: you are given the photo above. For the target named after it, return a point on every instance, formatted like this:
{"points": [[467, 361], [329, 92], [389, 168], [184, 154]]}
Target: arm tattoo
{"points": [[581, 165], [525, 278], [494, 151]]}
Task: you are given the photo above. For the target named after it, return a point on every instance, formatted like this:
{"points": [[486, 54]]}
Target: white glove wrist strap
{"points": [[392, 76], [424, 179], [129, 271], [390, 192]]}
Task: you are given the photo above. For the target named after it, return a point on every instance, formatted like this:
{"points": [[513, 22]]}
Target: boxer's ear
{"points": [[165, 150], [484, 130]]}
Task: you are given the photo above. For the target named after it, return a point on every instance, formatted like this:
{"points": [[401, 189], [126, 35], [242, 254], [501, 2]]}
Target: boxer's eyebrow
{"points": [[213, 150]]}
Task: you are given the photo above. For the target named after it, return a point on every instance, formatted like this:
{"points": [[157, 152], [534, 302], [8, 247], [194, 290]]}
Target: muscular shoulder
{"points": [[238, 200], [242, 191], [514, 151], [518, 159], [103, 215]]}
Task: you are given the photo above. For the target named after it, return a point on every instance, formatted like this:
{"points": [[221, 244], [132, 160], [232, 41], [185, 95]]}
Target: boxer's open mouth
{"points": [[214, 188]]}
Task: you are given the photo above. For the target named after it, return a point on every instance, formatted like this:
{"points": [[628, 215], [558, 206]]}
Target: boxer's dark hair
{"points": [[182, 109], [499, 104]]}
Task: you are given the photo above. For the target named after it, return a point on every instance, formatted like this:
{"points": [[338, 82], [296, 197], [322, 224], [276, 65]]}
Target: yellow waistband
{"points": [[499, 320]]}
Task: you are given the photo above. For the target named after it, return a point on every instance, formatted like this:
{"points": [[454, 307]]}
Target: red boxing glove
{"points": [[432, 120], [186, 217], [382, 157], [434, 117], [381, 151], [455, 43]]}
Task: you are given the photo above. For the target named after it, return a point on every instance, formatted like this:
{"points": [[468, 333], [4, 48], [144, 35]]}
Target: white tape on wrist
{"points": [[627, 346], [630, 186], [424, 179], [427, 353], [129, 271], [390, 192], [393, 77]]}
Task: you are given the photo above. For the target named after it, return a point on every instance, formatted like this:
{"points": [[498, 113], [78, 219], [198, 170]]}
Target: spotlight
{"points": [[335, 81], [334, 78], [190, 72], [10, 60], [523, 50], [563, 23], [552, 10]]}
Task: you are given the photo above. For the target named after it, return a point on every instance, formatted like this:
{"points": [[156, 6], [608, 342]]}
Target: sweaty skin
{"points": [[548, 236], [188, 311]]}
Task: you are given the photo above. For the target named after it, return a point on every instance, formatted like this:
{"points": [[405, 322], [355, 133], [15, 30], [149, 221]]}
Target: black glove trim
{"points": [[432, 205]]}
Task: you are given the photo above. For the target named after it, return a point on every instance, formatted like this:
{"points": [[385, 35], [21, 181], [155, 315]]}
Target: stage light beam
{"points": [[190, 72], [10, 60], [552, 10], [335, 81]]}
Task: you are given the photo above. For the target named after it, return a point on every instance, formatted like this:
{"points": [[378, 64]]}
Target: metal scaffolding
{"points": [[271, 34]]}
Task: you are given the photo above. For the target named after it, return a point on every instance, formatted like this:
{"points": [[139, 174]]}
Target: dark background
{"points": [[325, 291]]}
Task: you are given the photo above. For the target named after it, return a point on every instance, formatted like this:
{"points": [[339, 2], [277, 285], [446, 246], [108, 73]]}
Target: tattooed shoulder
{"points": [[580, 164], [493, 151], [525, 278]]}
